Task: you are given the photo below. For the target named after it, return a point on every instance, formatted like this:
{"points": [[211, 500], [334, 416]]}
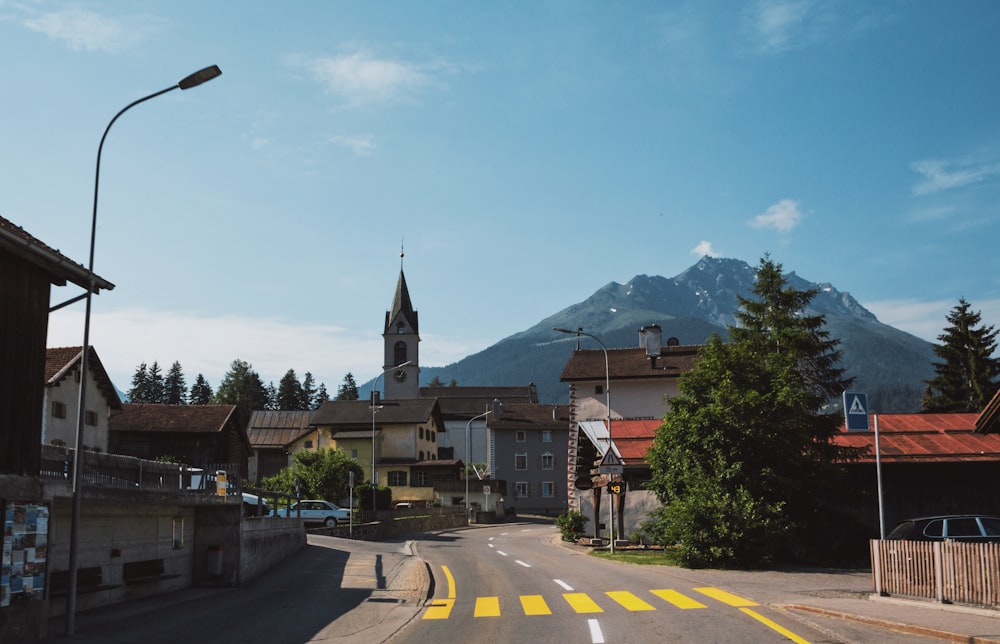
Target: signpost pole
{"points": [[878, 475]]}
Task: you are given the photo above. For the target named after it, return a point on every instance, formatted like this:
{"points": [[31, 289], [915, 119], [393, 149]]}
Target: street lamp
{"points": [[468, 442], [374, 391], [195, 79], [607, 392]]}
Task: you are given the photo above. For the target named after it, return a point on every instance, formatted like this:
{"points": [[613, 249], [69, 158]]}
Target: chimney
{"points": [[650, 338]]}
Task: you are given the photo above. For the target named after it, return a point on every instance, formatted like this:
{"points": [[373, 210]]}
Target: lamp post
{"points": [[193, 80], [374, 406], [468, 440], [607, 392]]}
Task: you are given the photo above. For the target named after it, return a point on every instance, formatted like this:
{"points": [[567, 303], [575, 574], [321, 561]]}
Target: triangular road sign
{"points": [[610, 459]]}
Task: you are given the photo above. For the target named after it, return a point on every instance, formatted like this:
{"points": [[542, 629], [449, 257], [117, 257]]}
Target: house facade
{"points": [[62, 399], [528, 450], [274, 437]]}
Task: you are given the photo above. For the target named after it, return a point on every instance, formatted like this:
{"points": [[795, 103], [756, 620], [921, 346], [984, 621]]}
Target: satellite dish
{"points": [[673, 342]]}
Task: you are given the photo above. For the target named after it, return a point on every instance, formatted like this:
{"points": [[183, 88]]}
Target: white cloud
{"points": [[704, 248], [927, 318], [776, 24], [361, 78], [362, 145], [84, 30], [782, 216], [208, 345], [940, 175]]}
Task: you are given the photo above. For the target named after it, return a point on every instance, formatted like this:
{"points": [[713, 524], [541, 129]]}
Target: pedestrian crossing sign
{"points": [[856, 411]]}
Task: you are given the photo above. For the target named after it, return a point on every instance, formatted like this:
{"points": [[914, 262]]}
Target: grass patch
{"points": [[667, 557]]}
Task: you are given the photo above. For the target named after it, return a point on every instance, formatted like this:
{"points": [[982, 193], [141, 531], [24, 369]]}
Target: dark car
{"points": [[976, 528]]}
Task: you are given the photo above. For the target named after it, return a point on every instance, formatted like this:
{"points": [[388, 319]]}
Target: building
{"points": [[274, 437], [528, 450], [62, 399]]}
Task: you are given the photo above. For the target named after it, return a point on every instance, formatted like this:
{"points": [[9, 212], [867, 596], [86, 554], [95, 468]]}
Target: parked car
{"points": [[316, 511], [975, 528], [251, 503]]}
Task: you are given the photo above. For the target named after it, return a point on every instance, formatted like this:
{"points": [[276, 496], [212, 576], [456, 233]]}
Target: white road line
{"points": [[526, 565], [564, 585], [491, 538], [492, 546], [596, 636], [501, 553]]}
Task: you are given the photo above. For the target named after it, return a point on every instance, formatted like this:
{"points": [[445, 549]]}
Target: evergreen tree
{"points": [[155, 386], [308, 391], [349, 389], [744, 461], [201, 391], [965, 380], [174, 386], [321, 396], [140, 387], [291, 395], [241, 386]]}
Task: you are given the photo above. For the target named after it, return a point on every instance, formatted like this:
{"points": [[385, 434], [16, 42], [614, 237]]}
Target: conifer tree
{"points": [[242, 386], [201, 391], [155, 386], [308, 391], [174, 386], [290, 396], [966, 377], [139, 390], [349, 389], [321, 396]]}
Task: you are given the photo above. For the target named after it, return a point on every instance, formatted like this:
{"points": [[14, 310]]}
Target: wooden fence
{"points": [[949, 571]]}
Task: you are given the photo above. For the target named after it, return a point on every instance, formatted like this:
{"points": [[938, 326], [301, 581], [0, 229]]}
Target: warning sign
{"points": [[610, 464], [856, 411]]}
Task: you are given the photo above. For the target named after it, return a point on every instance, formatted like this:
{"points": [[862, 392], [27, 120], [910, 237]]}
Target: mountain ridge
{"points": [[890, 364]]}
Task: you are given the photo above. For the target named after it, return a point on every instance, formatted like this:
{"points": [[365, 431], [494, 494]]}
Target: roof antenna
{"points": [[401, 253]]}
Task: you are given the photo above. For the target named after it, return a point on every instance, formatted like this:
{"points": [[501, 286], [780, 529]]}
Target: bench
{"points": [[147, 570], [88, 580]]}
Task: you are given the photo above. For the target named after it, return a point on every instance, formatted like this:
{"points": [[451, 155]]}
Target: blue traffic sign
{"points": [[856, 411]]}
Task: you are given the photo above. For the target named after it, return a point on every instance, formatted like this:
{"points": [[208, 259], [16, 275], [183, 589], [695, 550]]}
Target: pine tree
{"points": [[174, 386], [349, 389], [155, 385], [140, 387], [744, 461], [966, 379], [201, 391], [241, 386], [321, 396], [308, 391], [290, 396]]}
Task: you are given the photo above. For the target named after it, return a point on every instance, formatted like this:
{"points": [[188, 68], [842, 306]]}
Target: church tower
{"points": [[401, 345]]}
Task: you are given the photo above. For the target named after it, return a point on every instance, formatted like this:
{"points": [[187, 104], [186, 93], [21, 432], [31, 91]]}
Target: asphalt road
{"points": [[514, 583]]}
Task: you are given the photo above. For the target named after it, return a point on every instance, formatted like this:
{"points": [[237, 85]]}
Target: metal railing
{"points": [[948, 571]]}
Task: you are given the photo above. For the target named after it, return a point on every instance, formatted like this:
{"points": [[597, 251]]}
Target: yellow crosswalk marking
{"points": [[677, 599], [777, 627], [582, 603], [440, 609], [628, 600], [487, 607], [534, 605], [726, 598]]}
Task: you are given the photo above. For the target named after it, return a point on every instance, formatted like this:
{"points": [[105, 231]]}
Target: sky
{"points": [[520, 154]]}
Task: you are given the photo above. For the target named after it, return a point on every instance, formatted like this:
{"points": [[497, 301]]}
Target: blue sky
{"points": [[524, 154]]}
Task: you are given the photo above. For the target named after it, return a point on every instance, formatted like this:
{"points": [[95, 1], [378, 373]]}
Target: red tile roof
{"points": [[60, 361], [137, 417], [625, 364], [921, 438], [633, 438]]}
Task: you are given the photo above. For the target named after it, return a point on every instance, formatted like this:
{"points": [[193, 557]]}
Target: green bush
{"points": [[571, 525]]}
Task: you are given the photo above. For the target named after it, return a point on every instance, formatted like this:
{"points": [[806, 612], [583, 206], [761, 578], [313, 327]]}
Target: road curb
{"points": [[910, 629]]}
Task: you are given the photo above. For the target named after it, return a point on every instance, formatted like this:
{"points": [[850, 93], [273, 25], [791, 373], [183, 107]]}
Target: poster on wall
{"points": [[25, 551]]}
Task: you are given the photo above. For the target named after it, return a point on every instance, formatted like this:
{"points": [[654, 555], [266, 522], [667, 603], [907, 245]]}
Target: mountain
{"points": [[889, 364]]}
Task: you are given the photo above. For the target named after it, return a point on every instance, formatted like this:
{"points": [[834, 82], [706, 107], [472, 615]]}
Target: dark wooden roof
{"points": [[17, 241], [463, 403], [355, 414], [632, 363], [277, 429], [60, 362], [188, 419], [535, 417], [988, 421]]}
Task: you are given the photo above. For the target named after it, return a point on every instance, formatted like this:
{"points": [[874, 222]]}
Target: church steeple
{"points": [[401, 341]]}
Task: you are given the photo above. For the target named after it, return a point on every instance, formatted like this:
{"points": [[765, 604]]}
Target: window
{"points": [[548, 461], [520, 436], [521, 489], [548, 488], [309, 445], [397, 478], [521, 461], [434, 437], [420, 455], [91, 418], [58, 409], [420, 433], [422, 478], [546, 435], [354, 454], [399, 350], [599, 389]]}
